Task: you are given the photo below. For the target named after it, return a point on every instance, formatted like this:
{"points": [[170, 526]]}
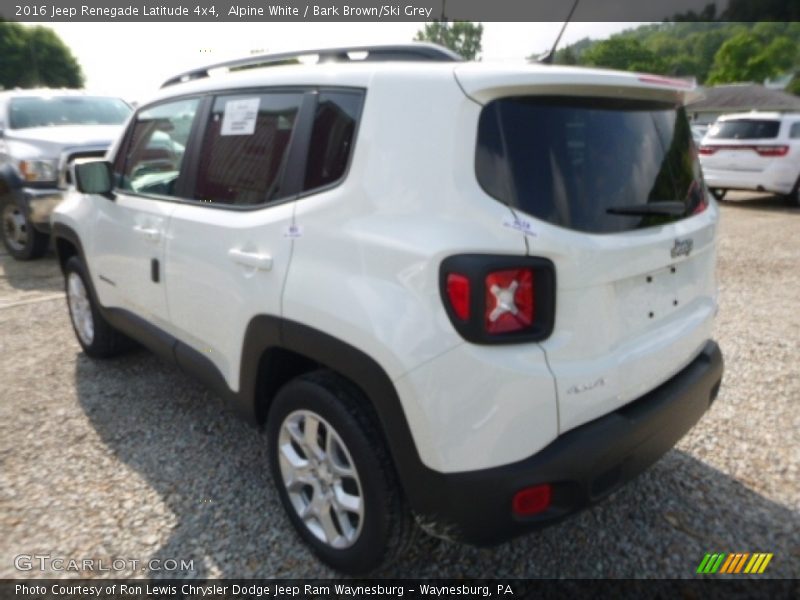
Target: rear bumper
{"points": [[777, 180], [584, 465]]}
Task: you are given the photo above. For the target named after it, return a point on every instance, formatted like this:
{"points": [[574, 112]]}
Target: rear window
{"points": [[332, 137], [575, 162], [744, 129]]}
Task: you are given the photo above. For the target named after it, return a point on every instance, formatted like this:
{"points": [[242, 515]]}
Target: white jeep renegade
{"points": [[476, 297]]}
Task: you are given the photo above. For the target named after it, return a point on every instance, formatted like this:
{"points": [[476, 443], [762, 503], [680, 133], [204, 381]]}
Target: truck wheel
{"points": [[718, 193], [97, 338], [20, 238], [334, 475]]}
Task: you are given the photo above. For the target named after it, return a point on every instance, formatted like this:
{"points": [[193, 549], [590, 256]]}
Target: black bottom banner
{"points": [[242, 589]]}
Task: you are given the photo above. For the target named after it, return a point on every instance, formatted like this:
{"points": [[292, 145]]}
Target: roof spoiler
{"points": [[397, 52]]}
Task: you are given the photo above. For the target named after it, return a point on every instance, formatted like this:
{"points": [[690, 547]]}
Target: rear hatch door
{"points": [[606, 175]]}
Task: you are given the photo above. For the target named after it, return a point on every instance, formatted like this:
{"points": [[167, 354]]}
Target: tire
{"points": [[20, 238], [347, 441], [97, 338], [793, 197], [718, 193]]}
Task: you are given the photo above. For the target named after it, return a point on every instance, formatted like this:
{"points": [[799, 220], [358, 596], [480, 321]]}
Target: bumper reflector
{"points": [[532, 500]]}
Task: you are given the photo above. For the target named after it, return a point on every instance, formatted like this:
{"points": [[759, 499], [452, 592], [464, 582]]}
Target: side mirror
{"points": [[94, 177]]}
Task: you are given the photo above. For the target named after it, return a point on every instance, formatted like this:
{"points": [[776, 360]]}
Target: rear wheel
{"points": [[793, 197], [95, 335], [718, 193], [334, 475], [20, 238]]}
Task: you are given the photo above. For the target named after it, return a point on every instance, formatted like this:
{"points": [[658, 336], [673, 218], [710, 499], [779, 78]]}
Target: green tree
{"points": [[689, 49], [36, 56], [463, 37], [746, 57], [623, 53]]}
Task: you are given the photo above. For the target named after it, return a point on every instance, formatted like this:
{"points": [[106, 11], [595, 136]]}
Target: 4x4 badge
{"points": [[682, 248]]}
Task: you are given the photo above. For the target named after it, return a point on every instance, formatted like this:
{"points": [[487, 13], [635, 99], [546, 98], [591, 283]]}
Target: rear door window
{"points": [[245, 148], [744, 129], [573, 161]]}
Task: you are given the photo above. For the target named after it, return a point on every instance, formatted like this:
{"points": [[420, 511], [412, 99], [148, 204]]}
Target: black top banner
{"points": [[400, 10]]}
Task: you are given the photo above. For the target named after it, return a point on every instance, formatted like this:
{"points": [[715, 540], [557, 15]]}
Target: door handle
{"points": [[150, 234], [262, 262]]}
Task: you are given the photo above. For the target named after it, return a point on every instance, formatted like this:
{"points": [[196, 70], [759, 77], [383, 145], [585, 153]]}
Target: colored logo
{"points": [[743, 562]]}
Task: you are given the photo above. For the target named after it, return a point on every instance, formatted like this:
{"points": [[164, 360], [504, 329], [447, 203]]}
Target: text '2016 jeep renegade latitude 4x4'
{"points": [[474, 295]]}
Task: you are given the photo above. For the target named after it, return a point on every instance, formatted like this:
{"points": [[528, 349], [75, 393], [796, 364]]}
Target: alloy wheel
{"points": [[80, 308], [15, 228], [321, 479]]}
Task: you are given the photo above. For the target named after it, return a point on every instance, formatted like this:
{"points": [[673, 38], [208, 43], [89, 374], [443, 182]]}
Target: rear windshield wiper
{"points": [[671, 208]]}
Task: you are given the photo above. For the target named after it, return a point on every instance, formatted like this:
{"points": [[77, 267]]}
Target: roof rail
{"points": [[397, 52]]}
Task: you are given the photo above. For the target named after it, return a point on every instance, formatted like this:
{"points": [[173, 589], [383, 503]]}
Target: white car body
{"points": [[360, 262], [739, 161]]}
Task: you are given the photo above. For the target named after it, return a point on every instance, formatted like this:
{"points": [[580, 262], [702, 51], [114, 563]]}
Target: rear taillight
{"points": [[772, 150], [697, 198], [458, 295], [509, 300], [499, 299], [778, 150]]}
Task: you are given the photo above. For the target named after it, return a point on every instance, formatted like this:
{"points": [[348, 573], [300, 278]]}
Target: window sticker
{"points": [[240, 117]]}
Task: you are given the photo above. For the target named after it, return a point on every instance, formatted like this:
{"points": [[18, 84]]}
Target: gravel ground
{"points": [[129, 458]]}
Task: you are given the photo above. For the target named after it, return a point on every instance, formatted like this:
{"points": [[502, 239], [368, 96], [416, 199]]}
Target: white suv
{"points": [[753, 151], [473, 296]]}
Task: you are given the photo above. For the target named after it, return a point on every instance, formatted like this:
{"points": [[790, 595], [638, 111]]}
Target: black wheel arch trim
{"points": [[266, 332]]}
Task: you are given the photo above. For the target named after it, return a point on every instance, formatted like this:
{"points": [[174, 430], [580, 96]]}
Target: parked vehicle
{"points": [[476, 297], [698, 132], [753, 151], [42, 132]]}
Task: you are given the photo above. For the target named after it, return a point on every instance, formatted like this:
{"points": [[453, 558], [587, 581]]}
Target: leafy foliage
{"points": [[463, 37], [36, 56], [623, 53], [712, 52]]}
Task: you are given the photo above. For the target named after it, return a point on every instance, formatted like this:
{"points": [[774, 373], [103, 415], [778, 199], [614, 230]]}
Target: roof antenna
{"points": [[547, 59]]}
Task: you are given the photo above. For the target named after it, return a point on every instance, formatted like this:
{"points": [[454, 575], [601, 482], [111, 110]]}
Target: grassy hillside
{"points": [[712, 52]]}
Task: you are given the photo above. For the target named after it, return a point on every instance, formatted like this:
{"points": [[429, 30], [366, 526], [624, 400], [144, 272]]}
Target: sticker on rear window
{"points": [[240, 117]]}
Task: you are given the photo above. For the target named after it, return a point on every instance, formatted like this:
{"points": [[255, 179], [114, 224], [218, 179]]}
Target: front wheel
{"points": [[334, 475], [20, 238], [95, 335]]}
